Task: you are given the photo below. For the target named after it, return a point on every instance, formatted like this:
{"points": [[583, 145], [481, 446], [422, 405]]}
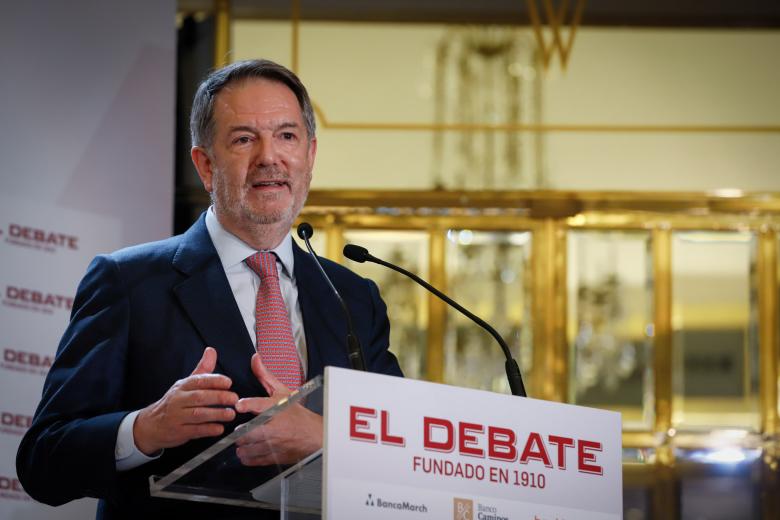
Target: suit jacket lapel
{"points": [[323, 321], [207, 299]]}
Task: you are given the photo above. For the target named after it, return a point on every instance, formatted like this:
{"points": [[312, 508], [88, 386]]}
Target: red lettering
{"points": [[535, 450], [386, 438], [40, 235], [584, 457], [38, 298], [20, 421], [501, 444], [10, 483], [358, 426], [562, 443], [467, 442], [26, 358], [431, 423]]}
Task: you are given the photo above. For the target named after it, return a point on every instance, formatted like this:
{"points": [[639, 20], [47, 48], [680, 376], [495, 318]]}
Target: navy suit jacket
{"points": [[141, 319]]}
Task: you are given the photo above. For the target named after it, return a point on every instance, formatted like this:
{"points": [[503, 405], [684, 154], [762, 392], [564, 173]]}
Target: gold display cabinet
{"points": [[662, 306]]}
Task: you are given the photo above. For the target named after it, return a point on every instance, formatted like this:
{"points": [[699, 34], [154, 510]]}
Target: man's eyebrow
{"points": [[288, 124], [243, 128], [247, 128]]}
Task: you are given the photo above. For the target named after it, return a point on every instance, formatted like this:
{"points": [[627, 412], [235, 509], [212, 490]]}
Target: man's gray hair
{"points": [[202, 114]]}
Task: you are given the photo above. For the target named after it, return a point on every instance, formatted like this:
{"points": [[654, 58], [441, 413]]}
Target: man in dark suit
{"points": [[168, 349]]}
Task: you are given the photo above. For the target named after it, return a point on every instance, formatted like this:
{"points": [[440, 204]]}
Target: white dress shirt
{"points": [[244, 284]]}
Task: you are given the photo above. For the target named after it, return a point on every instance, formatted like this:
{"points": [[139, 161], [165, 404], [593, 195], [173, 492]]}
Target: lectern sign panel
{"points": [[398, 448]]}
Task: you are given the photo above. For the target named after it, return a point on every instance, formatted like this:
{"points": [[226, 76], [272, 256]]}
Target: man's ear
{"points": [[202, 162], [312, 152]]}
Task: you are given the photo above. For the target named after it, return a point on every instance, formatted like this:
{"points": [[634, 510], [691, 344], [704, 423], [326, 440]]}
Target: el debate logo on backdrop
{"points": [[40, 239]]}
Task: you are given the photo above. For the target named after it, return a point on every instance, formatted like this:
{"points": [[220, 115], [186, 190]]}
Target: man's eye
{"points": [[244, 139], [288, 136]]}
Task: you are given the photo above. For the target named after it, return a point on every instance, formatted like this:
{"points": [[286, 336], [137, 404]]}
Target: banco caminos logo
{"points": [[463, 509], [370, 500]]}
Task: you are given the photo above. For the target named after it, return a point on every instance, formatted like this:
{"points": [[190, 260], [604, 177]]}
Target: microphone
{"points": [[354, 352], [361, 254]]}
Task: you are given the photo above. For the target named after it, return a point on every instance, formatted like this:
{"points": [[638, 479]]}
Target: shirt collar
{"points": [[232, 250]]}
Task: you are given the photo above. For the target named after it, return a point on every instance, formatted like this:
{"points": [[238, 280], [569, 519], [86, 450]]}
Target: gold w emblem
{"points": [[555, 19]]}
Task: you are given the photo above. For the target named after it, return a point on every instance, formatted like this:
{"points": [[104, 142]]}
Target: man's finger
{"points": [[207, 363], [266, 378], [204, 414], [256, 455], [208, 397], [206, 382], [256, 405]]}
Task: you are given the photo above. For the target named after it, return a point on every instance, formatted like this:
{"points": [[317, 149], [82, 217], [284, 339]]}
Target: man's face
{"points": [[258, 168]]}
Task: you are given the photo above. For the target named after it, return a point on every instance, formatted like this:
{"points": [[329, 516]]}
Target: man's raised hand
{"points": [[194, 407], [288, 437]]}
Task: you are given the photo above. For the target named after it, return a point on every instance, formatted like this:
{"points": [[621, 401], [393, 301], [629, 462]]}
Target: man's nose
{"points": [[266, 152]]}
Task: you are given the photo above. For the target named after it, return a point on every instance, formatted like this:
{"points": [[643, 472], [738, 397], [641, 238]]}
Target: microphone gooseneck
{"points": [[354, 351], [361, 254]]}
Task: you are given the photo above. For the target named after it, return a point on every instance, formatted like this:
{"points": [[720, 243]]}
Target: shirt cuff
{"points": [[127, 454]]}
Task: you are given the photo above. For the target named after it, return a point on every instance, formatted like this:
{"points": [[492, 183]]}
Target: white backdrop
{"points": [[86, 166]]}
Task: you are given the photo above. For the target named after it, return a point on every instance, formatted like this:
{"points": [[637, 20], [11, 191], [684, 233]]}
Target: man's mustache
{"points": [[269, 174]]}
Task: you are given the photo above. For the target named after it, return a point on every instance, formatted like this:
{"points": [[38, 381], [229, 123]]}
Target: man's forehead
{"points": [[254, 96]]}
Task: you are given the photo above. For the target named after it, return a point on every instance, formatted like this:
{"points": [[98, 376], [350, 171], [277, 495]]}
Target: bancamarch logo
{"points": [[398, 505]]}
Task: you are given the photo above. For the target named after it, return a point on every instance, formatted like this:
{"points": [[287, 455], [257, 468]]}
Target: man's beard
{"points": [[232, 201]]}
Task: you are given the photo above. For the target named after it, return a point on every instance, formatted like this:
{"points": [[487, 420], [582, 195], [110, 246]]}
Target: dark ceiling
{"points": [[634, 13]]}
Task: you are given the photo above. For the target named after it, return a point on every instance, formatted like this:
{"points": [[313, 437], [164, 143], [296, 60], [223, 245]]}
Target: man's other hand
{"points": [[194, 407], [286, 438]]}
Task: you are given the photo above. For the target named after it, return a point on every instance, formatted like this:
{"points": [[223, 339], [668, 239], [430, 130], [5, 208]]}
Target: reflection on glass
{"points": [[608, 323], [720, 483], [406, 301], [714, 342], [489, 274]]}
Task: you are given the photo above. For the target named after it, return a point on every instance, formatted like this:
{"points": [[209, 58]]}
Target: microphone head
{"points": [[305, 230], [356, 253]]}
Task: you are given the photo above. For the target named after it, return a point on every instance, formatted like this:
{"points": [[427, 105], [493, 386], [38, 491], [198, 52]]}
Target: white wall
{"points": [[86, 141]]}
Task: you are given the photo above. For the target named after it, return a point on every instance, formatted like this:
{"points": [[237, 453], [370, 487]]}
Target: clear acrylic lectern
{"points": [[216, 475]]}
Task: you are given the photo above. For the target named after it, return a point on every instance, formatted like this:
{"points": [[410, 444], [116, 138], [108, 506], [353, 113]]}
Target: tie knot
{"points": [[264, 264]]}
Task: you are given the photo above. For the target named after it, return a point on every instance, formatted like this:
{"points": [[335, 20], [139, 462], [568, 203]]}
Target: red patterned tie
{"points": [[275, 342]]}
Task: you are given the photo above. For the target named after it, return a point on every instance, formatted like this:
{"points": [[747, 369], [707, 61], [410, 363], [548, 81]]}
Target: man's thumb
{"points": [[265, 376], [207, 363]]}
